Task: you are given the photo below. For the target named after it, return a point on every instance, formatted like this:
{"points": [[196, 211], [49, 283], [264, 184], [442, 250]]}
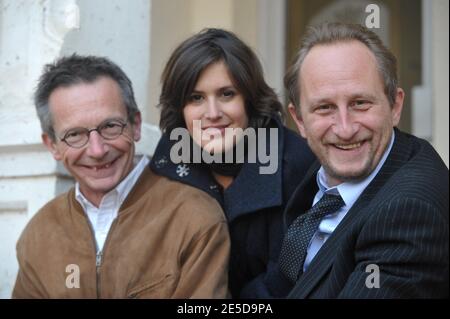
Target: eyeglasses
{"points": [[79, 137]]}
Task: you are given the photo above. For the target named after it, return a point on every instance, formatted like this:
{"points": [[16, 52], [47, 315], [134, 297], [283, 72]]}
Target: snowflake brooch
{"points": [[182, 170]]}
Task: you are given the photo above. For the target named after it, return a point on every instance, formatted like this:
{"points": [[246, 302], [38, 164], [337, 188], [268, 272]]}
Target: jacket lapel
{"points": [[302, 198], [323, 261]]}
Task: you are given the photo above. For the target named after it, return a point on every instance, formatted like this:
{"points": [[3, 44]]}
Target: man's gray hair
{"points": [[76, 69], [329, 33]]}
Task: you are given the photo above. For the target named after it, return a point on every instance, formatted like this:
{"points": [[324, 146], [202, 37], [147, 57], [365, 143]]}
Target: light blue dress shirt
{"points": [[350, 192]]}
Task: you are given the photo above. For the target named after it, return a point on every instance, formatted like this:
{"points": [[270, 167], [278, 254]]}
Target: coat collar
{"points": [[400, 153], [249, 192]]}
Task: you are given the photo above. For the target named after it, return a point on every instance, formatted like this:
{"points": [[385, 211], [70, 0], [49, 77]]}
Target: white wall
{"points": [[430, 100], [440, 77], [120, 30]]}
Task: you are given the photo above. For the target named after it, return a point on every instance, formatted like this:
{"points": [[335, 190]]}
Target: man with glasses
{"points": [[121, 232]]}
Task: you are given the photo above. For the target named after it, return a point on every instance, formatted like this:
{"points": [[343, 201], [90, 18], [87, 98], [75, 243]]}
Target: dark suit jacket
{"points": [[399, 223]]}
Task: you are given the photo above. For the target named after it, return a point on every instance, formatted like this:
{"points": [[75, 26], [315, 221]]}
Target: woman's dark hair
{"points": [[193, 56]]}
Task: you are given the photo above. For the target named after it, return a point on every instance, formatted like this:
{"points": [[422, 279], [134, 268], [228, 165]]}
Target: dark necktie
{"points": [[299, 234]]}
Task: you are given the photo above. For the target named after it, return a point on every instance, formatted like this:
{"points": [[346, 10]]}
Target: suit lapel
{"points": [[302, 198], [323, 261]]}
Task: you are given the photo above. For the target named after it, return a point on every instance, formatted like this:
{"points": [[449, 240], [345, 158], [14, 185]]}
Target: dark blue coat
{"points": [[253, 204]]}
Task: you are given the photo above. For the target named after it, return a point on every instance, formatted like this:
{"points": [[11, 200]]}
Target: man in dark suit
{"points": [[370, 219]]}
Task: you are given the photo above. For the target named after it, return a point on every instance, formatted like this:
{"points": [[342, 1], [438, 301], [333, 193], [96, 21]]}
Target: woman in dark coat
{"points": [[213, 83]]}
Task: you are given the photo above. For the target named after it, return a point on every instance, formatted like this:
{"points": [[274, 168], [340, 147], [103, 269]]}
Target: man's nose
{"points": [[345, 126], [96, 148]]}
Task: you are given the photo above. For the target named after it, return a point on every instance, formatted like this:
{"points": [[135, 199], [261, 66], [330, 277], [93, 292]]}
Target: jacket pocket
{"points": [[161, 287]]}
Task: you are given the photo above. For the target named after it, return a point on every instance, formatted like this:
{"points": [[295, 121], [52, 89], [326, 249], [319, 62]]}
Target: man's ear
{"points": [[398, 106], [297, 119], [51, 146], [137, 126]]}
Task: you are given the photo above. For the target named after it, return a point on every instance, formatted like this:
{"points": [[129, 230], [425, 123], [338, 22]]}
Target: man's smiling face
{"points": [[101, 164], [344, 112]]}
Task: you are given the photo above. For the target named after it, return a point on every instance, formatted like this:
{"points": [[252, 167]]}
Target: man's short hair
{"points": [[75, 69], [331, 33]]}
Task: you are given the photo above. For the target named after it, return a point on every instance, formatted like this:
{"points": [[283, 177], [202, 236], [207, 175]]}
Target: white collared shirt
{"points": [[350, 192], [102, 217]]}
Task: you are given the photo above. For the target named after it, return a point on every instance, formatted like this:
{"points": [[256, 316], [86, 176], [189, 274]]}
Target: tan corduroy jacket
{"points": [[169, 241]]}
